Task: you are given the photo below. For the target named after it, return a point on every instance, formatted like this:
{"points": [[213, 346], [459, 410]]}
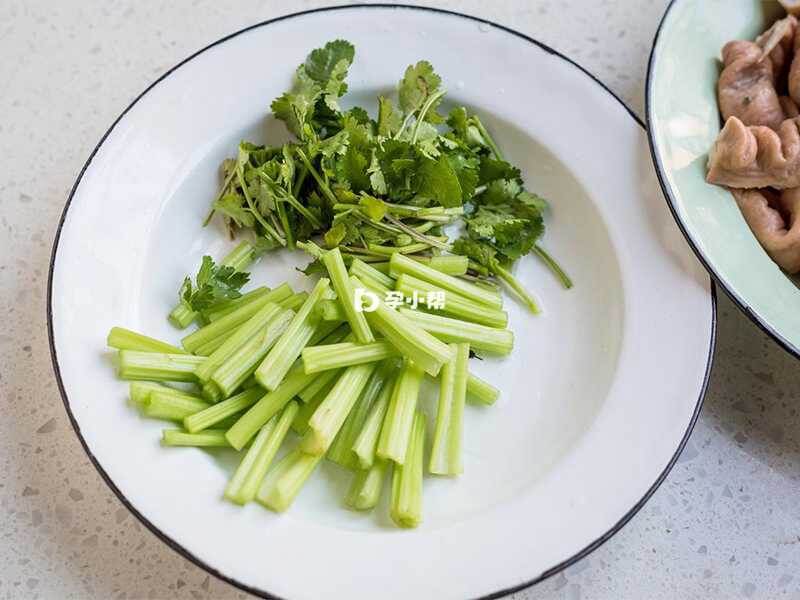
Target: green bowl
{"points": [[683, 122]]}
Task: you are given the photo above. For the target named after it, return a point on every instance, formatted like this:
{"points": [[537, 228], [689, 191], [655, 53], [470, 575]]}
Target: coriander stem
{"points": [[553, 266], [515, 286], [326, 191], [487, 138]]}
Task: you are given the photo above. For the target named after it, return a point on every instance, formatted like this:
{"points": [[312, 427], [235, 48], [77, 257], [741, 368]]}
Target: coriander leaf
{"points": [[481, 252], [322, 63], [492, 169], [373, 207], [212, 284], [231, 206], [389, 120], [419, 83], [437, 180]]}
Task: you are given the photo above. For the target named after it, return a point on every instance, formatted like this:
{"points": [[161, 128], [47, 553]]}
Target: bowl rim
{"points": [[174, 545], [672, 202]]}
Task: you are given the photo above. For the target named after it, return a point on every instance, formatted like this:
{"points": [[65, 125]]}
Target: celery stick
{"points": [[454, 305], [171, 405], [406, 504], [447, 329], [125, 339], [328, 333], [228, 306], [452, 264], [238, 339], [345, 354], [326, 421], [281, 485], [211, 392], [409, 339], [279, 359], [330, 310], [392, 250], [294, 301], [446, 450], [140, 391], [318, 382], [481, 392], [158, 366], [309, 407], [216, 413], [228, 323], [396, 432], [366, 442], [242, 363], [263, 410], [208, 438], [344, 290], [181, 316], [341, 451], [248, 476], [377, 281], [365, 489], [402, 264]]}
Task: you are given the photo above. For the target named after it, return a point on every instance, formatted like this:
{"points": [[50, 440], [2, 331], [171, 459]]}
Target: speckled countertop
{"points": [[725, 524]]}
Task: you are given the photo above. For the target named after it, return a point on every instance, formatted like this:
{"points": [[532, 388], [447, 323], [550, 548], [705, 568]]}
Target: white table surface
{"points": [[726, 523]]}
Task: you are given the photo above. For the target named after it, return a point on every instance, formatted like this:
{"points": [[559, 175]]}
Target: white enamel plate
{"points": [[598, 396]]}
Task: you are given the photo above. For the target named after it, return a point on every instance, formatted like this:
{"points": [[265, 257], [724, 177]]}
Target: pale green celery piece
{"points": [[377, 280], [181, 316], [329, 333], [125, 339], [341, 451], [242, 363], [171, 405], [227, 307], [248, 476], [216, 413], [402, 264], [330, 310], [294, 301], [365, 489], [397, 426], [208, 438], [319, 381], [140, 391], [345, 354], [393, 250], [280, 358], [344, 290], [447, 438], [456, 331], [158, 366], [238, 339], [224, 326], [263, 410], [406, 504], [409, 339], [452, 264], [455, 305], [282, 484], [309, 407], [328, 419], [211, 392], [366, 442], [382, 267], [480, 391]]}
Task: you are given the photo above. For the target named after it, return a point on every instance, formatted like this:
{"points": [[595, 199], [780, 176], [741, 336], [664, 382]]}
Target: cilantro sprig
{"points": [[212, 284]]}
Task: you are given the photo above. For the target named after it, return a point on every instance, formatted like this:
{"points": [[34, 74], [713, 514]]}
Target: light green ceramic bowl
{"points": [[683, 122]]}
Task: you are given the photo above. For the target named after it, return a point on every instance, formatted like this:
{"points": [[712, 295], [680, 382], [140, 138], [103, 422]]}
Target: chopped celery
{"points": [[508, 278], [211, 392], [281, 485], [216, 413], [328, 333], [140, 391], [451, 264], [125, 339], [248, 476], [280, 358], [446, 451], [345, 354], [409, 339], [207, 438], [330, 310], [372, 277], [158, 366], [171, 405], [447, 329], [228, 306], [481, 392], [365, 489], [396, 432], [366, 442], [319, 381], [294, 301], [310, 406], [181, 316], [344, 290], [406, 504]]}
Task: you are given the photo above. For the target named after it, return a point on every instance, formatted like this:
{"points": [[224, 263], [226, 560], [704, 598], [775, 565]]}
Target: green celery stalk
{"points": [[446, 451], [396, 431], [171, 405], [328, 419], [282, 484], [211, 392], [402, 264], [392, 250], [454, 305], [158, 366], [481, 392], [330, 310], [345, 354], [140, 391], [280, 358], [328, 333], [451, 264], [406, 504], [294, 301], [228, 306], [310, 406], [365, 489], [447, 329], [181, 316], [208, 438], [239, 338], [242, 363], [248, 476], [344, 290], [341, 451], [319, 381], [409, 339], [125, 339], [375, 279], [214, 414], [366, 442]]}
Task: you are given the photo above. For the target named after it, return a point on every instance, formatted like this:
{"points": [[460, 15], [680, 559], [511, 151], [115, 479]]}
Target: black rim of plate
{"points": [[672, 202], [183, 551]]}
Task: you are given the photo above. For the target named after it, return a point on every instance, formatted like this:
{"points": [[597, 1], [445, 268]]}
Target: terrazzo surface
{"points": [[725, 524]]}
